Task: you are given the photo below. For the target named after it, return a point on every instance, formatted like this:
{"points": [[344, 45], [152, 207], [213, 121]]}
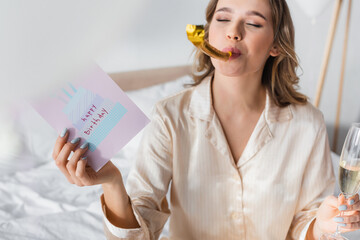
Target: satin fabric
{"points": [[272, 192]]}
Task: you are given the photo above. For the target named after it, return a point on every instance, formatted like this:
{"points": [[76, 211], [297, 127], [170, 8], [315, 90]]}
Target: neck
{"points": [[238, 95]]}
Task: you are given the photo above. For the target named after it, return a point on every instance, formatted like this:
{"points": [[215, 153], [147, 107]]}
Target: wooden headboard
{"points": [[134, 80]]}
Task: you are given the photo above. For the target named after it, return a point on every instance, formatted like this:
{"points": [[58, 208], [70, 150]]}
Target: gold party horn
{"points": [[195, 34]]}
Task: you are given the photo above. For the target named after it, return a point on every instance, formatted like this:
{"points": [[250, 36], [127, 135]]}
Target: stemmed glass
{"points": [[349, 171]]}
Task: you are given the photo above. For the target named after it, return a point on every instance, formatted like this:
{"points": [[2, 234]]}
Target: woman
{"points": [[246, 155]]}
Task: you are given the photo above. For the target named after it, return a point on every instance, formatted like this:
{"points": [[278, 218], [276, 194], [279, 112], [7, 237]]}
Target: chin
{"points": [[229, 68], [229, 71]]}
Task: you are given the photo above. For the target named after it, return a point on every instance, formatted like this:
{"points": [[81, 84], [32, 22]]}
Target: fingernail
{"points": [[85, 159], [76, 140], [85, 145], [342, 224], [63, 132], [351, 202], [342, 207], [338, 219]]}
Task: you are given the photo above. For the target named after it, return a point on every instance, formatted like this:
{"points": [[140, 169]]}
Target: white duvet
{"points": [[37, 202]]}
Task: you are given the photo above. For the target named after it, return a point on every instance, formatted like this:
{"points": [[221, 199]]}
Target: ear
{"points": [[274, 51]]}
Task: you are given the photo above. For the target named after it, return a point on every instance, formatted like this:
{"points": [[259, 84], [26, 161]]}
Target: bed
{"points": [[36, 200]]}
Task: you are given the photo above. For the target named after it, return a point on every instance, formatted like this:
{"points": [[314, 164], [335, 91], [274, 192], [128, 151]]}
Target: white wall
{"points": [[158, 39], [310, 44]]}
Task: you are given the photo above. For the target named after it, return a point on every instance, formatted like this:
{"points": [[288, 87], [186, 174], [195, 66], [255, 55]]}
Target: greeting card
{"points": [[94, 108]]}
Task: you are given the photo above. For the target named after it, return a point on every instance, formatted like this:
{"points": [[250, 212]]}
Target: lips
{"points": [[235, 53]]}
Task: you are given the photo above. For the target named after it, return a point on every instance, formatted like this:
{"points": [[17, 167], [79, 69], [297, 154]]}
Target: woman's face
{"points": [[243, 27]]}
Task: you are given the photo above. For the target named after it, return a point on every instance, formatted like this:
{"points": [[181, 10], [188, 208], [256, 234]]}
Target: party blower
{"points": [[195, 34]]}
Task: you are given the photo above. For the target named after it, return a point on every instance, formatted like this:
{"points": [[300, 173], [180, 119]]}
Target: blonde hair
{"points": [[279, 74]]}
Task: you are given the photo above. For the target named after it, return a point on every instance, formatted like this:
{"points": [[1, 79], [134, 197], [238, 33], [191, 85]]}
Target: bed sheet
{"points": [[37, 202]]}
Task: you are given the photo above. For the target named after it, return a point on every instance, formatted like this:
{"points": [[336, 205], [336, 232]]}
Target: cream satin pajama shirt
{"points": [[273, 192]]}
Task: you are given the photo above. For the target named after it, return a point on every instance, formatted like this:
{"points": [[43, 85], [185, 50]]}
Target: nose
{"points": [[234, 36], [234, 32]]}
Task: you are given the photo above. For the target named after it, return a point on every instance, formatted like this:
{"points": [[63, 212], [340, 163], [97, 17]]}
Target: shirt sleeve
{"points": [[148, 182], [318, 182], [115, 233], [305, 230]]}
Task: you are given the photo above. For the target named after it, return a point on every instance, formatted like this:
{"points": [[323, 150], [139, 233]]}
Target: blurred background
{"points": [[44, 44], [158, 40]]}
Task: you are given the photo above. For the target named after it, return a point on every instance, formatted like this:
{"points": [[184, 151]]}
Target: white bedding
{"points": [[37, 202]]}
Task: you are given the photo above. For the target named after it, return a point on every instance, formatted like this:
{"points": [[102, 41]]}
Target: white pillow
{"points": [[30, 140]]}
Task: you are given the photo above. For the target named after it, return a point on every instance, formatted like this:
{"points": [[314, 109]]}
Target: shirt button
{"points": [[236, 176], [235, 215]]}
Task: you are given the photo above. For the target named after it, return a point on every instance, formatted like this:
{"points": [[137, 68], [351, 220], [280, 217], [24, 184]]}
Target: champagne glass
{"points": [[349, 171]]}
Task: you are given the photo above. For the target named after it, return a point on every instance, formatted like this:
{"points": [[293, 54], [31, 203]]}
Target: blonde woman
{"points": [[243, 154]]}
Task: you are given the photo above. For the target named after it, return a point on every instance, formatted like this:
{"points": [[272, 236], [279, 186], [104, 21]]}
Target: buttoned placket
{"points": [[258, 139], [201, 107], [217, 138]]}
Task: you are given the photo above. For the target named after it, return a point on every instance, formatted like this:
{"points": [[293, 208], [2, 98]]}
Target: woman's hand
{"points": [[328, 215], [75, 170], [118, 208]]}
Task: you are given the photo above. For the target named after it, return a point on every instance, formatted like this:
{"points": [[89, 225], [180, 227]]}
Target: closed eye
{"points": [[222, 20], [254, 25]]}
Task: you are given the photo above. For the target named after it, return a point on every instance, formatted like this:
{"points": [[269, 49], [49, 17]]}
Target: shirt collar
{"points": [[201, 105]]}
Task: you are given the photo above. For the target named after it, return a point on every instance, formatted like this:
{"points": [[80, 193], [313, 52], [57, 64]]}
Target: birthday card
{"points": [[94, 108]]}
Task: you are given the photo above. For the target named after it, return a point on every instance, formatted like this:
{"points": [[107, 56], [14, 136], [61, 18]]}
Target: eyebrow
{"points": [[255, 13]]}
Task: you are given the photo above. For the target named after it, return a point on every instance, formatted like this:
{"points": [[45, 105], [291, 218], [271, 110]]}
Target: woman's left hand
{"points": [[328, 215]]}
